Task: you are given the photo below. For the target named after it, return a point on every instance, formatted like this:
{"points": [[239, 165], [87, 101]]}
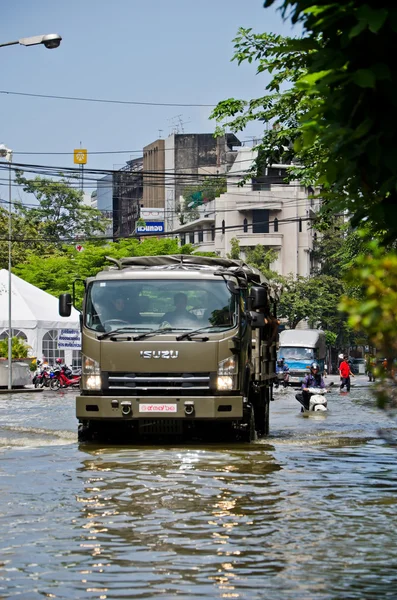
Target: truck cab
{"points": [[167, 348], [299, 348]]}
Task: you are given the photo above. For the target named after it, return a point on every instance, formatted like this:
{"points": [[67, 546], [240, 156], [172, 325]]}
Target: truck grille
{"points": [[157, 384]]}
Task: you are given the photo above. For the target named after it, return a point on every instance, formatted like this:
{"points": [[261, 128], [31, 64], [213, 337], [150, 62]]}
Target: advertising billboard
{"points": [[151, 227]]}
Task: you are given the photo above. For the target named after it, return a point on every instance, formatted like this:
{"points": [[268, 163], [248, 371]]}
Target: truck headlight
{"points": [[90, 374], [227, 374]]}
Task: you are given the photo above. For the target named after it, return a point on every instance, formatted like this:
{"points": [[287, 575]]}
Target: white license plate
{"points": [[158, 408]]}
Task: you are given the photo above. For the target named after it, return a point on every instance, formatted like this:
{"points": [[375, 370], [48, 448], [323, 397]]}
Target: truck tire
{"points": [[84, 433], [266, 418], [249, 434]]}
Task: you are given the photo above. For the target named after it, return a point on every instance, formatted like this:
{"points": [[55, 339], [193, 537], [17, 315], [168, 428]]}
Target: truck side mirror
{"points": [[259, 299], [65, 305], [257, 320]]}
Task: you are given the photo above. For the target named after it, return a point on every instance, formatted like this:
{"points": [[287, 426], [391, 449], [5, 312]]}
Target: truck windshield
{"points": [[145, 305], [296, 353]]}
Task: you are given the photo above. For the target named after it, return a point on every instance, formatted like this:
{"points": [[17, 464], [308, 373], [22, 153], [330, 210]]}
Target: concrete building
{"points": [[154, 177], [119, 198], [265, 211], [172, 164], [127, 198]]}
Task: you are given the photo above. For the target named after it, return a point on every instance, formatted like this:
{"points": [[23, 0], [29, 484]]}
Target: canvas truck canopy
{"points": [[237, 268]]}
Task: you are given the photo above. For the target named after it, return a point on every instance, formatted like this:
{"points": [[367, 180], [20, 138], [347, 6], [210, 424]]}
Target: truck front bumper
{"points": [[159, 407]]}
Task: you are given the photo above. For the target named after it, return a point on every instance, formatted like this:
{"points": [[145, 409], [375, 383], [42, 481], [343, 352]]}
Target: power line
{"points": [[98, 238], [105, 101]]}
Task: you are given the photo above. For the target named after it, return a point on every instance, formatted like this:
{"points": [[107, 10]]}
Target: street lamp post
{"points": [[50, 41], [7, 154]]}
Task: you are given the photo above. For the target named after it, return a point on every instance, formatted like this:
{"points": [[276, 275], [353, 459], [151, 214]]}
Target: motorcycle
{"points": [[64, 378], [42, 378], [282, 378], [313, 401]]}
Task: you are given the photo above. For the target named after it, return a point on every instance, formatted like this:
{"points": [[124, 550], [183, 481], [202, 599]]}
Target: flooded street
{"points": [[308, 513]]}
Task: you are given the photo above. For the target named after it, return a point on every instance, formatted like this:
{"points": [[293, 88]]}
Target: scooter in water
{"points": [[313, 400], [282, 378], [61, 380]]}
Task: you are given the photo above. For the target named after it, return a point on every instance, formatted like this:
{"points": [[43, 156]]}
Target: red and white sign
{"points": [[158, 408], [79, 248]]}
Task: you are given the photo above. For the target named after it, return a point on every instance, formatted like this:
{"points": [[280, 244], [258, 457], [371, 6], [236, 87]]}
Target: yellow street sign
{"points": [[80, 156]]}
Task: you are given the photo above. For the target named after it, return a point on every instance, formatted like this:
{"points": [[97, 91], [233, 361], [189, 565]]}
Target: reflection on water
{"points": [[309, 513]]}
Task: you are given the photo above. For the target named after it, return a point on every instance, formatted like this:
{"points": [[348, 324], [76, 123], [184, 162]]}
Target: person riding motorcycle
{"points": [[314, 379], [282, 371]]}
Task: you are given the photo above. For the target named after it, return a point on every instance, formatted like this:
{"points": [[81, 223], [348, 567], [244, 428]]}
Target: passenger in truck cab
{"points": [[180, 316]]}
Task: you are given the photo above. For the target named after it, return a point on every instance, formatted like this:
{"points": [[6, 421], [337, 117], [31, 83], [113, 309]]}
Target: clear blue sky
{"points": [[151, 51]]}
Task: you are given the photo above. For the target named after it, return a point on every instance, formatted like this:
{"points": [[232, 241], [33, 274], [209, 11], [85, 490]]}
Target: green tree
{"points": [[60, 213], [314, 299], [198, 194], [350, 76], [26, 235]]}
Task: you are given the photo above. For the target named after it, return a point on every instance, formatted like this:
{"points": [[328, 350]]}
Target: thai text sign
{"points": [[151, 227], [69, 338]]}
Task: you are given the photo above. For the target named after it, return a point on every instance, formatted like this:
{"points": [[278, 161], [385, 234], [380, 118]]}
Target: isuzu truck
{"points": [[179, 344]]}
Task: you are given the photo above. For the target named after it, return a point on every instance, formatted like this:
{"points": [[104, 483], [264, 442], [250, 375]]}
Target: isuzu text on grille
{"points": [[159, 353]]}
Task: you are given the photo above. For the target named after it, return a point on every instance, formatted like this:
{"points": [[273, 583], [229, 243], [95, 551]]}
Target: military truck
{"points": [[179, 344]]}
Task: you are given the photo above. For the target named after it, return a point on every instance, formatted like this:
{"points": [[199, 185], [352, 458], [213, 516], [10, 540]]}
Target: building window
{"points": [[223, 227], [300, 225], [14, 333], [183, 239], [213, 233], [76, 359], [191, 237], [200, 235], [260, 221], [50, 347], [245, 225], [275, 225]]}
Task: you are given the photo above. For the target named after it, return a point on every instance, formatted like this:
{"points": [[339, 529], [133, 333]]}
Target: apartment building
{"points": [[264, 211]]}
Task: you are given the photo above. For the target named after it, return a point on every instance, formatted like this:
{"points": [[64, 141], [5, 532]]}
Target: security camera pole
{"points": [[50, 41]]}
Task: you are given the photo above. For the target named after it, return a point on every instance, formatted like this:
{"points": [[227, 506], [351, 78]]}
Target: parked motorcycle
{"points": [[313, 400], [42, 377], [64, 378]]}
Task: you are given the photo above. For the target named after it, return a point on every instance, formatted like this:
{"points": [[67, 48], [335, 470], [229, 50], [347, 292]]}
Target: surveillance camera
{"points": [[52, 41]]}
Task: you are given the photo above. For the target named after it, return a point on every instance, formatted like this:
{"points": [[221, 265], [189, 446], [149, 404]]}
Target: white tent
{"points": [[33, 312]]}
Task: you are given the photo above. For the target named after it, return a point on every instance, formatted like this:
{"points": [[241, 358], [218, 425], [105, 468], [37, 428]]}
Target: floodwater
{"points": [[308, 513]]}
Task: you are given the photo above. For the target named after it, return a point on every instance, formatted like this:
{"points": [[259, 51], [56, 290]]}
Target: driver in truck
{"points": [[180, 316]]}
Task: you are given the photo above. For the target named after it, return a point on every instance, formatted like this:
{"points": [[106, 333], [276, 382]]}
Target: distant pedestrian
{"points": [[345, 372]]}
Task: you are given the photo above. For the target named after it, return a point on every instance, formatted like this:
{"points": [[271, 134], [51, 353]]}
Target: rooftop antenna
{"points": [[177, 124], [160, 133]]}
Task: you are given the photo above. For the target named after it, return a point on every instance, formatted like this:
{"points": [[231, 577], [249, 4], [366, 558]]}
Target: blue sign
{"points": [[151, 227]]}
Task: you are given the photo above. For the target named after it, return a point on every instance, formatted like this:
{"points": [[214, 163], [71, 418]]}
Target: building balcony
{"points": [[201, 223], [262, 239], [258, 200]]}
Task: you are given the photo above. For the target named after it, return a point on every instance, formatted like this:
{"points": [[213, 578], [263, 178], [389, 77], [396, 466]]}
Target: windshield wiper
{"points": [[155, 332], [188, 334], [118, 330]]}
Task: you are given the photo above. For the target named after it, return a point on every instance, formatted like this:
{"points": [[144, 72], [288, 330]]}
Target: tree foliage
{"points": [[350, 81], [331, 100], [60, 213], [314, 299], [198, 194], [19, 348]]}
